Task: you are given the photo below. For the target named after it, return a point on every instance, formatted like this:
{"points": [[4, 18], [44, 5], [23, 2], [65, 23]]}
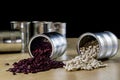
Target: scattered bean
{"points": [[87, 60], [40, 62], [7, 64]]}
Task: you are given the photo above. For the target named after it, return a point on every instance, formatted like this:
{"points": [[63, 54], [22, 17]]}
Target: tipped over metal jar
{"points": [[107, 41], [57, 41]]}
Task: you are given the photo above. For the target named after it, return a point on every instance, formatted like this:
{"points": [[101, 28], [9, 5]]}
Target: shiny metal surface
{"points": [[41, 27], [58, 42], [10, 41], [59, 27], [48, 26], [24, 28], [108, 43]]}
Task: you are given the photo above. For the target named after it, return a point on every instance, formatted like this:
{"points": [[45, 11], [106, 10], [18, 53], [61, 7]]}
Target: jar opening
{"points": [[85, 40], [88, 44], [40, 45]]}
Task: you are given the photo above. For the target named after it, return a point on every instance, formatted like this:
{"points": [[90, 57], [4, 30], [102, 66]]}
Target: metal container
{"points": [[108, 43], [10, 41], [41, 27], [24, 28], [59, 27], [57, 41], [47, 26]]}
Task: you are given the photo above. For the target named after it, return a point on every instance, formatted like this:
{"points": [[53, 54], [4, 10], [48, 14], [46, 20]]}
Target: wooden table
{"points": [[112, 72]]}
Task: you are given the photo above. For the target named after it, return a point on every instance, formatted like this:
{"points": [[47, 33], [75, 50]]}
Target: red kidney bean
{"points": [[7, 64], [40, 62]]}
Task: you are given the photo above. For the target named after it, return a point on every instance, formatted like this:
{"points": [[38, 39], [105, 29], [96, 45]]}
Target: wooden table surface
{"points": [[111, 72]]}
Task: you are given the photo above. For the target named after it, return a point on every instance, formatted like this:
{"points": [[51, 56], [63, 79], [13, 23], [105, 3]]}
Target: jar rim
{"points": [[44, 36], [92, 35]]}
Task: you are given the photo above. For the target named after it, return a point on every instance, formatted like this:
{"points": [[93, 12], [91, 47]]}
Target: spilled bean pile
{"points": [[87, 60], [40, 62]]}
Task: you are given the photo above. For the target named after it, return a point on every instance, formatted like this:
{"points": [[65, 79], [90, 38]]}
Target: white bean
{"points": [[86, 60]]}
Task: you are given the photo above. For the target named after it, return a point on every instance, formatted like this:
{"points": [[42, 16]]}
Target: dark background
{"points": [[76, 24], [80, 17]]}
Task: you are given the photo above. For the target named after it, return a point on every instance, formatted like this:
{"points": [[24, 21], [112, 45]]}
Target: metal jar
{"points": [[24, 28], [57, 41], [107, 41], [10, 41], [41, 27], [59, 27]]}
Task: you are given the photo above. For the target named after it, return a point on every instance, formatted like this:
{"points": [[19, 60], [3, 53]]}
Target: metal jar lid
{"points": [[57, 41], [107, 41]]}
